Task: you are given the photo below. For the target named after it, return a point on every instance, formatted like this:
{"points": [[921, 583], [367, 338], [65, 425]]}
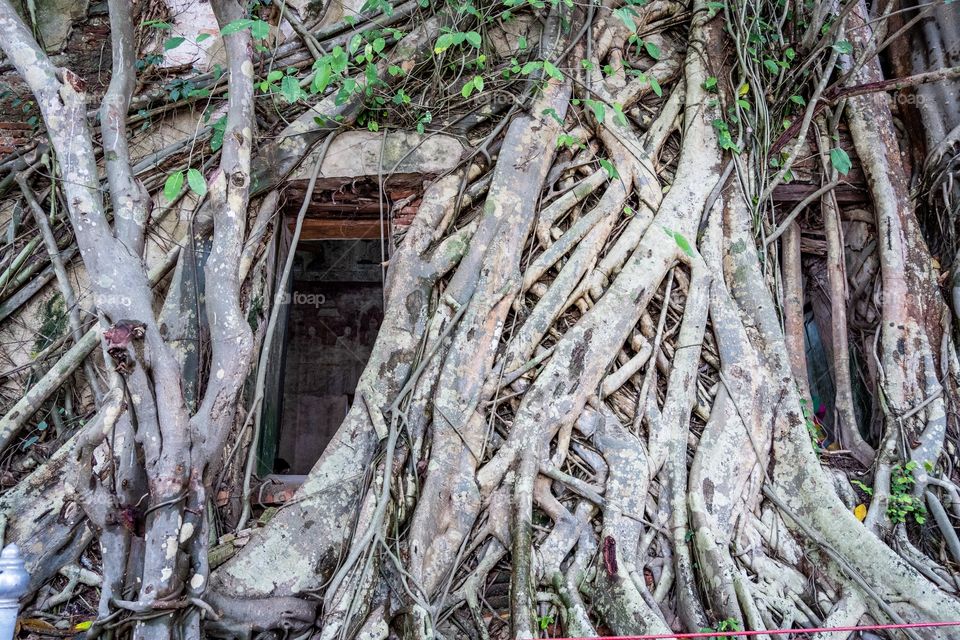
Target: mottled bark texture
{"points": [[147, 409], [494, 437], [587, 409]]}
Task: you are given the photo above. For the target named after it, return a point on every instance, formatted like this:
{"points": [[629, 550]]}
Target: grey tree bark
{"points": [[587, 408]]}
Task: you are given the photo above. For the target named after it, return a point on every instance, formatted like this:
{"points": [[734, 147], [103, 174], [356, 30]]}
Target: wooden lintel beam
{"points": [[325, 229]]}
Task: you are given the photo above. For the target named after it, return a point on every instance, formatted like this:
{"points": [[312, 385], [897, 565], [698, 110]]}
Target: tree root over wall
{"points": [[600, 429], [587, 409]]}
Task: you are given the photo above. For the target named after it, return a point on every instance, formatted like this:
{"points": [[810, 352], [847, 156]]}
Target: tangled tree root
{"points": [[587, 409], [605, 398]]}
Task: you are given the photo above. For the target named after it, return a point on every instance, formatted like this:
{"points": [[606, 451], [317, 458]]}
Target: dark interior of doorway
{"points": [[335, 307]]}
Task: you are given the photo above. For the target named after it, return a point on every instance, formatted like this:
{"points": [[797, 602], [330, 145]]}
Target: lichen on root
{"points": [[587, 409], [617, 472]]}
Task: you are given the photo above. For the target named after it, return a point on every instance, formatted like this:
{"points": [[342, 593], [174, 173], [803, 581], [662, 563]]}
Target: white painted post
{"points": [[13, 584]]}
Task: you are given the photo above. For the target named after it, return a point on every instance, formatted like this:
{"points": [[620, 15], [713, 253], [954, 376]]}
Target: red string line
{"points": [[730, 634]]}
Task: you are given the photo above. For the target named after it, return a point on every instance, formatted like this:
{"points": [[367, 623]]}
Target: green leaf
{"points": [[173, 43], [771, 66], [474, 38], [609, 168], [197, 184], [202, 37], [290, 89], [844, 46], [173, 186], [566, 140], [467, 89], [552, 71], [683, 244], [714, 7], [424, 120], [370, 73], [867, 490], [338, 60], [216, 138], [710, 83], [840, 160], [259, 29], [652, 50], [680, 240], [379, 44], [798, 100], [626, 15], [347, 89], [235, 26], [444, 42], [478, 83], [321, 79], [522, 43], [531, 66], [726, 141], [354, 45], [618, 115], [274, 75], [550, 111], [656, 87], [599, 112]]}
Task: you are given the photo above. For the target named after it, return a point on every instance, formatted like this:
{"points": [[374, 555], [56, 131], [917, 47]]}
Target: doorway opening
{"points": [[336, 306], [333, 301], [333, 312]]}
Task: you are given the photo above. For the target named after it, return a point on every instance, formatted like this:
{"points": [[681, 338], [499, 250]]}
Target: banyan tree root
{"points": [[584, 412], [524, 445], [541, 469]]}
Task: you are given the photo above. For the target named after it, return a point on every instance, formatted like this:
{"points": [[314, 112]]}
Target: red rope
{"points": [[728, 634]]}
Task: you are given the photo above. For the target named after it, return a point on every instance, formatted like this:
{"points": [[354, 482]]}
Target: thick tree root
{"points": [[617, 413], [585, 411]]}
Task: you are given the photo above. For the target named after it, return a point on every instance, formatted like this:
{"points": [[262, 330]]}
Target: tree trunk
{"points": [[587, 408]]}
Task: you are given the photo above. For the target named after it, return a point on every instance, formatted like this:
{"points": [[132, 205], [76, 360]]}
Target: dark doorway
{"points": [[335, 306]]}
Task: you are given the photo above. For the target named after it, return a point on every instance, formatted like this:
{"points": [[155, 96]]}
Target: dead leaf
{"points": [[860, 511]]}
